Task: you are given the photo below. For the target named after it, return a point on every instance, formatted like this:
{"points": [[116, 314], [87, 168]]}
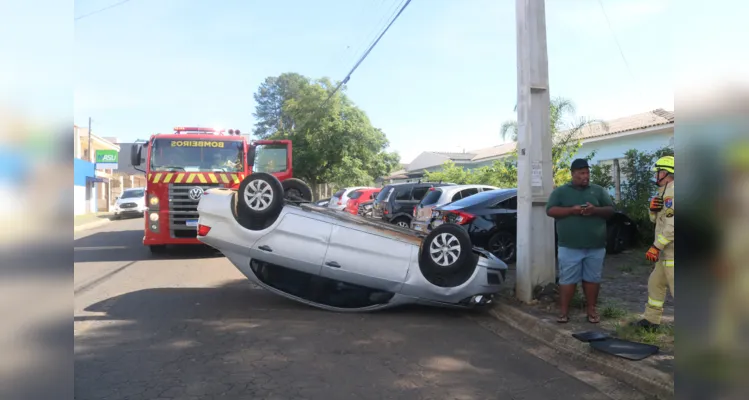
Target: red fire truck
{"points": [[181, 165]]}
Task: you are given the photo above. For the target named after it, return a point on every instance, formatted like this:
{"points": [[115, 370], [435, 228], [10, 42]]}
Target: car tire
{"points": [[402, 222], [616, 238], [157, 248], [457, 261], [503, 245], [296, 189], [258, 201]]}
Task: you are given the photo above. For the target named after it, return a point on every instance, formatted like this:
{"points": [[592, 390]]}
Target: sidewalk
{"points": [[92, 220], [622, 299]]}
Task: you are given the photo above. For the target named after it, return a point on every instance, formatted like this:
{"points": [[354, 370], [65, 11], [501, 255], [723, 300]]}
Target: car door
{"points": [[366, 258], [298, 242], [505, 214]]}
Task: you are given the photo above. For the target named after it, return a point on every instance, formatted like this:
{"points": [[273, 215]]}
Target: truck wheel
{"points": [[296, 189], [446, 257], [157, 248], [259, 200]]}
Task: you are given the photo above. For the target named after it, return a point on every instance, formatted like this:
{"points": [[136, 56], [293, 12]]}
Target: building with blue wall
{"points": [[84, 177], [646, 131]]}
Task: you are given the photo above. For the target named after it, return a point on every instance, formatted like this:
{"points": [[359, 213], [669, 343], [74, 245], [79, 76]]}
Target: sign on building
{"points": [[107, 159]]}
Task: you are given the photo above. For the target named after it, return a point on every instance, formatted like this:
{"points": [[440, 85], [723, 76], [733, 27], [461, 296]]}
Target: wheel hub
{"points": [[258, 195], [444, 249]]}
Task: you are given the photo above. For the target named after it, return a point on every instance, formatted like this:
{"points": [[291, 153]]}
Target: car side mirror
{"points": [[117, 198]]}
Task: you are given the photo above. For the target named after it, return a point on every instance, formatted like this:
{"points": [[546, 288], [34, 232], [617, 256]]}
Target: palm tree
{"points": [[558, 109], [565, 135]]}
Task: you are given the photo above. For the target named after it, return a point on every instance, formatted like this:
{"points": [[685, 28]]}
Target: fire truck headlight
{"points": [[153, 217], [153, 200]]}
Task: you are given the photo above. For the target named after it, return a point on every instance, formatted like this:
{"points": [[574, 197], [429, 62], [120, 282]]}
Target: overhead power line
{"points": [[364, 56], [101, 10], [619, 46]]}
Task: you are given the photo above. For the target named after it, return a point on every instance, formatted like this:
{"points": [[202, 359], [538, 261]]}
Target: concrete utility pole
{"points": [[536, 262]]}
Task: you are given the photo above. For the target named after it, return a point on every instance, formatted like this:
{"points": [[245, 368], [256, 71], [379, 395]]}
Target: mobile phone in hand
{"points": [[584, 205]]}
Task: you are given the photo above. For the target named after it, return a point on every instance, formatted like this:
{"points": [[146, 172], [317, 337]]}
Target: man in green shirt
{"points": [[580, 210]]}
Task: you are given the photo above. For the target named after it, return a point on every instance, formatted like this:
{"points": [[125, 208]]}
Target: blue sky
{"points": [[443, 78]]}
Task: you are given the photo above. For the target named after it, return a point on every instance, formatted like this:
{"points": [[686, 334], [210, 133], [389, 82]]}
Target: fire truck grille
{"points": [[183, 211]]}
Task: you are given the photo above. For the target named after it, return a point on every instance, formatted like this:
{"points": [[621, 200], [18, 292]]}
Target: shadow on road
{"points": [[128, 246], [238, 342]]}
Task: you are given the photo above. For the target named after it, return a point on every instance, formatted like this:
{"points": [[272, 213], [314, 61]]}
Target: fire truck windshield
{"points": [[197, 155]]}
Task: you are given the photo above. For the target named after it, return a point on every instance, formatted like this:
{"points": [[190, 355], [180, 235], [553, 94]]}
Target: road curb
{"points": [[91, 225], [635, 373]]}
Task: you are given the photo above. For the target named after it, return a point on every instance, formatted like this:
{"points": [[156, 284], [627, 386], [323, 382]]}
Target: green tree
{"points": [[638, 186], [270, 98], [333, 140]]}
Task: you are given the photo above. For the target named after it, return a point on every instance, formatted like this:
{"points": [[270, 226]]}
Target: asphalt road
{"points": [[190, 326]]}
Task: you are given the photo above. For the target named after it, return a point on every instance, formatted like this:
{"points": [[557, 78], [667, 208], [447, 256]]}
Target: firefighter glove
{"points": [[653, 254], [656, 204]]}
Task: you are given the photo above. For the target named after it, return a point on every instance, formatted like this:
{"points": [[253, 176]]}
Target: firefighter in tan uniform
{"points": [[662, 250]]}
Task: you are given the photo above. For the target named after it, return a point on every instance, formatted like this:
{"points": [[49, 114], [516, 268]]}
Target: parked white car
{"points": [[340, 198], [132, 202], [439, 196], [340, 261]]}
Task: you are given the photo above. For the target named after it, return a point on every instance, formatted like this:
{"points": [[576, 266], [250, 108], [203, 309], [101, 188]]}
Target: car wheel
{"points": [[502, 245], [259, 200], [616, 238], [296, 189], [446, 257], [402, 222]]}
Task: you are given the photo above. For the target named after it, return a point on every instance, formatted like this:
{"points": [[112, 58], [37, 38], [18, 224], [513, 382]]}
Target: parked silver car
{"points": [[340, 261], [439, 196]]}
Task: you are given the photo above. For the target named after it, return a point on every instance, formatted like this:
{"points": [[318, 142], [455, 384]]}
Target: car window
{"points": [[339, 193], [431, 198], [384, 193], [355, 194], [403, 193], [508, 204], [455, 197], [480, 198], [419, 192], [374, 195], [133, 194], [468, 192]]}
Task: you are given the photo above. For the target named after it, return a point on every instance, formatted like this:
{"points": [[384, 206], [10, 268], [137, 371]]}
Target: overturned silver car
{"points": [[339, 261]]}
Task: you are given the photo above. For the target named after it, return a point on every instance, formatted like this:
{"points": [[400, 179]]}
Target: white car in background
{"points": [[340, 198], [132, 202], [439, 196]]}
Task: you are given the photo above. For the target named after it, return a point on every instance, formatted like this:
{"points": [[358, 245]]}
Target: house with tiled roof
{"points": [[646, 131]]}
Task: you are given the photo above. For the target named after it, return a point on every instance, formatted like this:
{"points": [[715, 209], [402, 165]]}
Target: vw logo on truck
{"points": [[195, 193]]}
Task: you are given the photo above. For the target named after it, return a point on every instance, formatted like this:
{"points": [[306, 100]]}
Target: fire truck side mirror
{"points": [[135, 154]]}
